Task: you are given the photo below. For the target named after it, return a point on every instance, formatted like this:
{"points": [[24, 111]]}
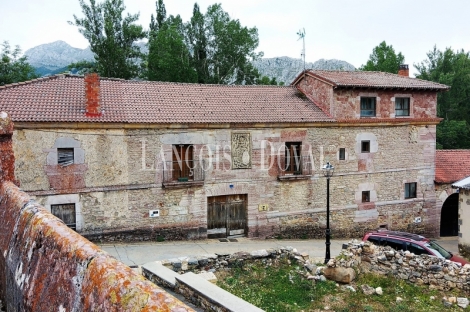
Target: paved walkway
{"points": [[141, 253]]}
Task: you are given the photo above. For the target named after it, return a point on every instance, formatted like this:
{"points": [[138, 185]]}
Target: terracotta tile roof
{"points": [[452, 165], [61, 98], [370, 79]]}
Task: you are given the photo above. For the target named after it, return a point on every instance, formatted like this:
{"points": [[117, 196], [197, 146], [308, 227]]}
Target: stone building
{"points": [[153, 160], [463, 198], [451, 166]]}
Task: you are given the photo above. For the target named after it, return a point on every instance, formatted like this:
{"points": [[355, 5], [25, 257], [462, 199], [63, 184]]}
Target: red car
{"points": [[414, 243]]}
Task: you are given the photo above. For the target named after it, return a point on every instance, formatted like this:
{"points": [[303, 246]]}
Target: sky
{"points": [[341, 29]]}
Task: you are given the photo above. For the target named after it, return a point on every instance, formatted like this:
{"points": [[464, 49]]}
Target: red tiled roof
{"points": [[452, 165], [370, 79], [61, 98]]}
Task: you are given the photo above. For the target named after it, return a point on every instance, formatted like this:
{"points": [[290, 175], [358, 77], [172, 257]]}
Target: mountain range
{"points": [[52, 58]]}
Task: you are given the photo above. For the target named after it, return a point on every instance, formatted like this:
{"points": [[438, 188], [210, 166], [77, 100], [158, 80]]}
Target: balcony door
{"points": [[183, 162]]}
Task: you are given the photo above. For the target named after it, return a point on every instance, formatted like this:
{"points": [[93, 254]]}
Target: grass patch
{"points": [[280, 288]]}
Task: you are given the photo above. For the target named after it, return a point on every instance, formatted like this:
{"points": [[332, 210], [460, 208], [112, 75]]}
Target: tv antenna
{"points": [[301, 34]]}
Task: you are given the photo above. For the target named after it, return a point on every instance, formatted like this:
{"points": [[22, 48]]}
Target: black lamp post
{"points": [[328, 171]]}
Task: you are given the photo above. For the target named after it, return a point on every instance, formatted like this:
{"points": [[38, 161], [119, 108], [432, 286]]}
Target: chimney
{"points": [[7, 158], [92, 95], [404, 71]]}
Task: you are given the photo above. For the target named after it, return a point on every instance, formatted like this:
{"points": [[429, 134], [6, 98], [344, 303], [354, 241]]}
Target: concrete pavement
{"points": [[140, 253]]}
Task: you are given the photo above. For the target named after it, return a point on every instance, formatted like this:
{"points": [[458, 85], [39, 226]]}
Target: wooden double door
{"points": [[226, 216]]}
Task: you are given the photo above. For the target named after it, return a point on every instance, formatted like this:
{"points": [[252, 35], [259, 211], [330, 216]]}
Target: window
{"points": [[292, 163], [365, 146], [394, 243], [402, 107], [365, 196], [410, 190], [65, 156], [368, 106], [416, 249], [342, 153], [65, 212], [183, 163]]}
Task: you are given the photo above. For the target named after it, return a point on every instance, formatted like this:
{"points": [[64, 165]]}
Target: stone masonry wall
{"points": [[344, 103], [46, 266], [399, 154], [438, 273]]}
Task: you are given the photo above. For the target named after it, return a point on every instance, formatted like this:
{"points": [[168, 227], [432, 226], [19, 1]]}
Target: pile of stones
{"points": [[438, 273]]}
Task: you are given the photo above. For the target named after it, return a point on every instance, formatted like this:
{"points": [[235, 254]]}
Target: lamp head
{"points": [[328, 170]]}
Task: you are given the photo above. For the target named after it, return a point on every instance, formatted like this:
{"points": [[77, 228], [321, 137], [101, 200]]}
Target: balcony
{"points": [[294, 168], [185, 173]]}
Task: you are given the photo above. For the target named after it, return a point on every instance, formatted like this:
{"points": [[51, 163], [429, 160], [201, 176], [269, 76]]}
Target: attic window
{"points": [[65, 156]]}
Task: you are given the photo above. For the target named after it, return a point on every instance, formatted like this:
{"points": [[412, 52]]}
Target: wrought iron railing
{"points": [[183, 171], [296, 165]]}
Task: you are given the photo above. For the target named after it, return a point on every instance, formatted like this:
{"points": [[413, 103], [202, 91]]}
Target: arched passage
{"points": [[450, 216]]}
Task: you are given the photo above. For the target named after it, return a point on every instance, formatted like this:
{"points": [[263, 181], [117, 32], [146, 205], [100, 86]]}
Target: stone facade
{"points": [[464, 218], [177, 178], [123, 180]]}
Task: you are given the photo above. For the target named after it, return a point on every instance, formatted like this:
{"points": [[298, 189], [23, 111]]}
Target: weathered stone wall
{"points": [[464, 217], [321, 93], [439, 273], [345, 103], [46, 266], [399, 154]]}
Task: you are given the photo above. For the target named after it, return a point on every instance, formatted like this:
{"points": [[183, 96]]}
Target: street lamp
{"points": [[328, 171]]}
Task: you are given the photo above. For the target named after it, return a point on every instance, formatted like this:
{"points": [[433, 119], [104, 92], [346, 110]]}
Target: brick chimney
{"points": [[92, 95], [404, 71], [7, 158]]}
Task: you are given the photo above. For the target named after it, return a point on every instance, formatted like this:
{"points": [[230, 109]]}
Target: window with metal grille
{"points": [[365, 196], [293, 157], [342, 153], [365, 146], [65, 212], [368, 106], [65, 156], [402, 107], [410, 190]]}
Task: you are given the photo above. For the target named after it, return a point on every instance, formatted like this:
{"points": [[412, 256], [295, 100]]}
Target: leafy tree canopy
{"points": [[13, 66], [83, 67], [265, 80], [453, 69], [169, 58], [384, 59], [112, 37], [222, 50]]}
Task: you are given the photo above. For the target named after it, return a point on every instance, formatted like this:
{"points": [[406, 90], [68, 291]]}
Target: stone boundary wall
{"points": [[438, 273], [46, 266]]}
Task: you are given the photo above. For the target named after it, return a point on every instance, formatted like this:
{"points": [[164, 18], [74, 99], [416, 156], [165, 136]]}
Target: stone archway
{"points": [[450, 216]]}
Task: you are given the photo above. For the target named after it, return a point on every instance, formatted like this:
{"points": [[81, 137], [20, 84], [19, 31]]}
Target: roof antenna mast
{"points": [[301, 34]]}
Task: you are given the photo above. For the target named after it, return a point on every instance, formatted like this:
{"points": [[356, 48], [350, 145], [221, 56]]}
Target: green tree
{"points": [[13, 66], [168, 58], [265, 80], [222, 49], [384, 59], [83, 67], [453, 69], [112, 37], [155, 24]]}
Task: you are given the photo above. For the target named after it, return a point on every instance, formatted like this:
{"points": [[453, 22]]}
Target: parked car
{"points": [[414, 243]]}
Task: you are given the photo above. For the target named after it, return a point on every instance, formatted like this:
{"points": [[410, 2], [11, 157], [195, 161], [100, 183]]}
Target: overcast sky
{"points": [[341, 29]]}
